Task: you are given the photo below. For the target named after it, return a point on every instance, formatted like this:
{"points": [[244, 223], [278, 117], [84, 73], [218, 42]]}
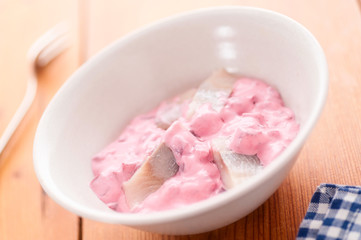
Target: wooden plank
{"points": [[332, 152], [26, 212]]}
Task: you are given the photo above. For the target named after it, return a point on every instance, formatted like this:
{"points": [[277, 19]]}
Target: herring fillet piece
{"points": [[234, 167], [173, 110], [214, 90], [159, 167]]}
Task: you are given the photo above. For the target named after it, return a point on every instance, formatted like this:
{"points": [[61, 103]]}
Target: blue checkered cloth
{"points": [[334, 213]]}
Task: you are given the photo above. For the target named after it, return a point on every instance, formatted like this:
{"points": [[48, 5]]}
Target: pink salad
{"points": [[194, 146]]}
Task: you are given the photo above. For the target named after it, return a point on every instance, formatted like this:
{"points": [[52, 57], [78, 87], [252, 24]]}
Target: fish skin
{"points": [[234, 168], [159, 167], [173, 109], [214, 90]]}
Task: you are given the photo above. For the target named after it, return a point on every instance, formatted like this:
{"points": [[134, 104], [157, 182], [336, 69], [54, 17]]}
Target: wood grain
{"points": [[26, 212], [331, 155]]}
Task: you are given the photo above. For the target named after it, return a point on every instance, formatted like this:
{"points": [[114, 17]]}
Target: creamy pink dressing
{"points": [[253, 121]]}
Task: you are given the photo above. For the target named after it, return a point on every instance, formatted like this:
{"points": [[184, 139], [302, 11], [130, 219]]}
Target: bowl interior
{"points": [[134, 74]]}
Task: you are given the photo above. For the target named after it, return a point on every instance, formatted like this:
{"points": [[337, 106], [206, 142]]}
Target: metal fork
{"points": [[45, 49]]}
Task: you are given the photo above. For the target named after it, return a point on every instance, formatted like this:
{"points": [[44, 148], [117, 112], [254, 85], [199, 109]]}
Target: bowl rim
{"points": [[214, 202]]}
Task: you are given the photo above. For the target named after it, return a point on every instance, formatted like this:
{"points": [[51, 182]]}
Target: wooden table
{"points": [[331, 155]]}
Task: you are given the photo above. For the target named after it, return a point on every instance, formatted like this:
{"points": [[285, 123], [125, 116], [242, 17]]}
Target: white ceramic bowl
{"points": [[135, 73]]}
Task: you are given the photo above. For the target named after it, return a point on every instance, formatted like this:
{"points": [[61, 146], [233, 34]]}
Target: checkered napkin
{"points": [[334, 213]]}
